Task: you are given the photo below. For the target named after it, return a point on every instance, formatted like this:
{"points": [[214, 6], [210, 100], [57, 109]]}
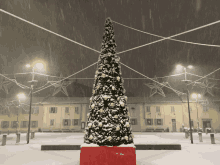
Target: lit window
{"points": [[34, 124], [66, 122], [75, 122], [133, 121], [148, 121], [53, 109], [158, 121]]}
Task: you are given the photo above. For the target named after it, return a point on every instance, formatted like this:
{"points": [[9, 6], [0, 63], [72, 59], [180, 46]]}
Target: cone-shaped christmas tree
{"points": [[108, 120]]}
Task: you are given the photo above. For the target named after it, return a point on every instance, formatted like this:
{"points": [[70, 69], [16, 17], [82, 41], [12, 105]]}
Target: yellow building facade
{"points": [[155, 114]]}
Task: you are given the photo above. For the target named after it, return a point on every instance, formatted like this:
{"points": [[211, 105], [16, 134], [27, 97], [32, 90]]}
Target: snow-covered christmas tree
{"points": [[108, 121]]}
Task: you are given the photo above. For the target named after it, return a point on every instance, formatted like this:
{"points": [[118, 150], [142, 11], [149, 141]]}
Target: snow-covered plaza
{"points": [[31, 154]]}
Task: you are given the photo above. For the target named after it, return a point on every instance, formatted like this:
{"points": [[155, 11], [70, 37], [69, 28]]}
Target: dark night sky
{"points": [[83, 21]]}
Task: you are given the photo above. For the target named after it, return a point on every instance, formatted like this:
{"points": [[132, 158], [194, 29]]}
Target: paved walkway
{"points": [[30, 154]]}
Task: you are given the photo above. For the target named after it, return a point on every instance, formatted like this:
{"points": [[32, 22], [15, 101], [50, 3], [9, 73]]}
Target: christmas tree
{"points": [[108, 121]]}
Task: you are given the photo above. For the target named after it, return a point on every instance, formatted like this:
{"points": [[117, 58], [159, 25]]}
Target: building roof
{"points": [[172, 98]]}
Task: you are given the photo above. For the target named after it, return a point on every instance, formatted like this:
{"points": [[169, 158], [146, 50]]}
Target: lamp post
{"points": [[39, 66], [187, 92], [20, 97], [197, 96]]}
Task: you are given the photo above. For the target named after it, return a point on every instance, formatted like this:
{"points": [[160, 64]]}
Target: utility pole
{"points": [[32, 82], [187, 91]]}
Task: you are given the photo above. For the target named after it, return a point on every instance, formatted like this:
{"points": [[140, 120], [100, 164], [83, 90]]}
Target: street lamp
{"points": [[38, 66], [21, 96], [197, 96], [187, 91]]}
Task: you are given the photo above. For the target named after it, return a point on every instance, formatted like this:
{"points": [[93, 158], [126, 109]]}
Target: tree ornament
{"points": [[100, 124], [126, 138], [105, 97], [117, 128], [101, 110], [122, 103], [127, 124], [118, 78], [90, 137], [112, 104], [103, 75], [93, 91], [90, 125], [109, 138], [92, 106], [88, 114], [116, 116], [113, 88]]}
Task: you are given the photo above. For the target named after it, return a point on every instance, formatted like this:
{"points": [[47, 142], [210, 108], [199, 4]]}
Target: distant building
{"points": [[146, 114]]}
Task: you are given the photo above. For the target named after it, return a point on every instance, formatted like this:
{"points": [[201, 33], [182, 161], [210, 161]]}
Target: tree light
{"points": [[21, 96], [190, 67], [39, 66], [28, 65], [195, 96], [179, 67]]}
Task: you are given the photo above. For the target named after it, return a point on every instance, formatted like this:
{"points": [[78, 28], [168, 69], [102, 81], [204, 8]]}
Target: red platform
{"points": [[105, 155]]}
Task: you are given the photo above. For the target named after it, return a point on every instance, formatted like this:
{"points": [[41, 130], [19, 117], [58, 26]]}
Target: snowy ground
{"points": [[30, 154]]}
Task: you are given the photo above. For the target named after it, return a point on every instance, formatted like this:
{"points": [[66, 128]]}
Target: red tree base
{"points": [[105, 155]]}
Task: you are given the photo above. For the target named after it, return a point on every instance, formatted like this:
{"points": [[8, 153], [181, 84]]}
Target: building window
{"points": [[66, 122], [133, 112], [34, 124], [77, 110], [51, 122], [192, 124], [172, 109], [158, 121], [3, 112], [67, 110], [148, 108], [14, 124], [148, 121], [53, 109], [5, 124], [205, 108], [75, 121], [157, 108], [133, 121], [24, 124]]}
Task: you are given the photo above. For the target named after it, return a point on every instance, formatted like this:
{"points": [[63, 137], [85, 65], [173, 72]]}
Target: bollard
{"points": [[4, 140], [32, 135], [186, 134], [8, 132], [0, 132], [200, 137], [18, 138], [212, 138]]}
